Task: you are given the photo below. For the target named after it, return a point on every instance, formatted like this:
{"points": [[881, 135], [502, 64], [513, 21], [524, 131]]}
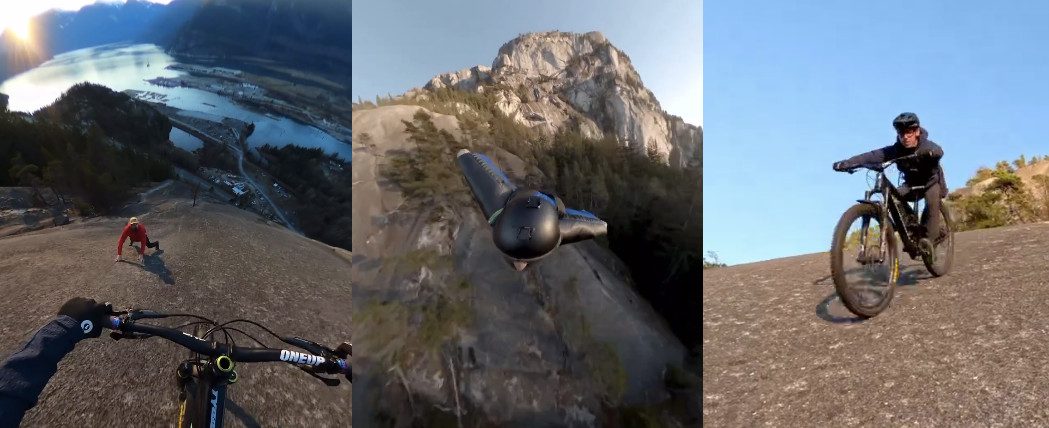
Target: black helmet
{"points": [[528, 227], [906, 120]]}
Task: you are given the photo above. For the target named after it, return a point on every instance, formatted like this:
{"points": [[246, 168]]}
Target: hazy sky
{"points": [[17, 12], [794, 86], [402, 44]]}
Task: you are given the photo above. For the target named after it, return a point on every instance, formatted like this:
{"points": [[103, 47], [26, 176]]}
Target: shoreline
{"points": [[256, 93]]}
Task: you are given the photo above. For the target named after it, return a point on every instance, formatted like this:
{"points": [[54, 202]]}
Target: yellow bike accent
{"points": [[895, 270], [224, 360], [181, 412]]}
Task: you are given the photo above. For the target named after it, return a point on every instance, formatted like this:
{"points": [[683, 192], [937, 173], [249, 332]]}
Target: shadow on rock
{"points": [[241, 414], [154, 264], [909, 277], [911, 274], [823, 310]]}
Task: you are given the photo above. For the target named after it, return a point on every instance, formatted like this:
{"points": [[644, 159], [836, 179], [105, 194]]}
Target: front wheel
{"points": [[193, 393], [864, 260]]}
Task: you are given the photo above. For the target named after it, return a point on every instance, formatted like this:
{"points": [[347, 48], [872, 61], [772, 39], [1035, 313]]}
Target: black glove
{"points": [[90, 314], [924, 153], [841, 166]]}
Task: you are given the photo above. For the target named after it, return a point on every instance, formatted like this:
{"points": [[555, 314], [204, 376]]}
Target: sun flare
{"points": [[21, 29]]}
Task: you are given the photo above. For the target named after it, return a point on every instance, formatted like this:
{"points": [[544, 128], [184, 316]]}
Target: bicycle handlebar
{"points": [[328, 363], [879, 167]]}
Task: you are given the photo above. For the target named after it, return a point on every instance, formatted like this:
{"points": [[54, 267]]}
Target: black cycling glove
{"points": [[90, 314]]}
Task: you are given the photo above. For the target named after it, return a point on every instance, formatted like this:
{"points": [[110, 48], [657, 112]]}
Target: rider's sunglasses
{"points": [[905, 131]]}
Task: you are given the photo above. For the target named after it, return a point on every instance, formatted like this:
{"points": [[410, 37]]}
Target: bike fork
{"points": [[864, 257]]}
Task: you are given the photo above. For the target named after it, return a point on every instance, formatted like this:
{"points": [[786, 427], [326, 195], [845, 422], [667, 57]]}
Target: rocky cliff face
{"points": [[453, 330], [549, 81]]}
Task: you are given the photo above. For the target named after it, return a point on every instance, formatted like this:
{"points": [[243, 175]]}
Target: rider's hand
{"points": [[90, 314]]}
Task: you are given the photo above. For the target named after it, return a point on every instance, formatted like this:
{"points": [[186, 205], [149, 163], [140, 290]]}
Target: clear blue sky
{"points": [[400, 44], [792, 87]]}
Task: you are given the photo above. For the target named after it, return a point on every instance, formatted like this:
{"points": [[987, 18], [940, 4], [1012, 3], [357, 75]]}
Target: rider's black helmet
{"points": [[904, 121]]}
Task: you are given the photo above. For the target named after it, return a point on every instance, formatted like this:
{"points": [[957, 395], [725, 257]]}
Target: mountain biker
{"points": [[137, 232], [24, 374], [923, 170]]}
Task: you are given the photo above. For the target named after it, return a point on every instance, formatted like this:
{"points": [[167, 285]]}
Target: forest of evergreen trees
{"points": [[83, 167], [322, 187]]}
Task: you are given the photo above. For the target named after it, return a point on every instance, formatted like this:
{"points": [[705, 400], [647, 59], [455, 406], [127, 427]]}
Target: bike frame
{"points": [[202, 398], [893, 208]]}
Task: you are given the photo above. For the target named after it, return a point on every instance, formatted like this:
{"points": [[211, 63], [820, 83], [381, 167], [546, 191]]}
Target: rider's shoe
{"points": [[867, 259], [872, 255]]}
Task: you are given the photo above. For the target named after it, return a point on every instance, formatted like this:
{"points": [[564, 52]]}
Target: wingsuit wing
{"points": [[489, 184], [579, 225]]}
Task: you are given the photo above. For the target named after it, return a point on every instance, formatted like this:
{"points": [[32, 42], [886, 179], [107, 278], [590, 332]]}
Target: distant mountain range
{"points": [[312, 35], [56, 31], [307, 34]]}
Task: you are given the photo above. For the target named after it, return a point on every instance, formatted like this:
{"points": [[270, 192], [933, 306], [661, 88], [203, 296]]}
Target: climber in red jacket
{"points": [[137, 232]]}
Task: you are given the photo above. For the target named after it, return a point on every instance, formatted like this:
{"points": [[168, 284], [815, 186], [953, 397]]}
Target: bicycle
{"points": [[203, 378], [894, 216]]}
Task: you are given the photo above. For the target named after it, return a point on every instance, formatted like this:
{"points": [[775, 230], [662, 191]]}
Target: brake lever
{"points": [[132, 313], [117, 335], [345, 350], [327, 381], [308, 345], [110, 311], [138, 314]]}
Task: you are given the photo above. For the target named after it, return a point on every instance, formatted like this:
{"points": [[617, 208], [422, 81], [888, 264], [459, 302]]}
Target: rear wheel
{"points": [[943, 252], [864, 261]]}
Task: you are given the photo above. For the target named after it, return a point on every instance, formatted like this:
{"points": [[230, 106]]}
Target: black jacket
{"points": [[924, 171], [24, 375]]}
